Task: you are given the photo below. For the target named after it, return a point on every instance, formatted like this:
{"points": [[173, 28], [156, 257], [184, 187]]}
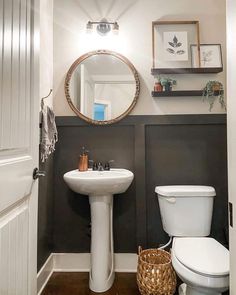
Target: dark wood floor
{"points": [[78, 284]]}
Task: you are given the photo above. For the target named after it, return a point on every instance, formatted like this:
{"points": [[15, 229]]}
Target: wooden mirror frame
{"points": [[80, 60]]}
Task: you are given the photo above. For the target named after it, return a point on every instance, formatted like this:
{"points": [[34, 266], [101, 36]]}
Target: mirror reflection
{"points": [[102, 87]]}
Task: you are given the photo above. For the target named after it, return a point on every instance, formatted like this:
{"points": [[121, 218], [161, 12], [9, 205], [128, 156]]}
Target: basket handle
{"points": [[140, 249]]}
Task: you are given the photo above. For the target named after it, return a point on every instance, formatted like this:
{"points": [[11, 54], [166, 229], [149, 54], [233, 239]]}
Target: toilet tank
{"points": [[186, 210]]}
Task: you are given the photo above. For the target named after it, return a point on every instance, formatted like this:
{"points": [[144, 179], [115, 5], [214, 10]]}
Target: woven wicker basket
{"points": [[155, 275]]}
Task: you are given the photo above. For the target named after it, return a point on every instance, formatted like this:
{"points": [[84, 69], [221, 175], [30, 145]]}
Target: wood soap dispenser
{"points": [[83, 160]]}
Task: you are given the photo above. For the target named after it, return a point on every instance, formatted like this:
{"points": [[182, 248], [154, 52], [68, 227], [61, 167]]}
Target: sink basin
{"points": [[114, 181], [100, 187]]}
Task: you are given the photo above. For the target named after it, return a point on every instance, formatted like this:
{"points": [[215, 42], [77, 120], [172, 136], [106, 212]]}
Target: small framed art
{"points": [[210, 56], [171, 42]]}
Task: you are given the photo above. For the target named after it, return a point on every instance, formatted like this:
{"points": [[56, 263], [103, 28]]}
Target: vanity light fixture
{"points": [[103, 27]]}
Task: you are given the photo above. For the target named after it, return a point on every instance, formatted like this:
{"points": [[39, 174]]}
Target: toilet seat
{"points": [[204, 256], [217, 283]]}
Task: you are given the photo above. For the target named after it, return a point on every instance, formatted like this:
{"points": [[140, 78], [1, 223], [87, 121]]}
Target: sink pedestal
{"points": [[100, 186], [102, 253]]}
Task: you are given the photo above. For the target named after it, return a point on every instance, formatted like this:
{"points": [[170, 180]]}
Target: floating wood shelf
{"points": [[178, 93], [160, 71]]}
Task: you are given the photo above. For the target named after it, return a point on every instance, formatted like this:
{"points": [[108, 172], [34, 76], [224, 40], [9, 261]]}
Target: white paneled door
{"points": [[19, 136]]}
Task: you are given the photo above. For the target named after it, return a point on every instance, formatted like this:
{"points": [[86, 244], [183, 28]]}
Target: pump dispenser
{"points": [[83, 160]]}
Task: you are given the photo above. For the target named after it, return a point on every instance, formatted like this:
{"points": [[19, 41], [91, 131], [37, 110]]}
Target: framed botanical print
{"points": [[210, 56], [171, 42]]}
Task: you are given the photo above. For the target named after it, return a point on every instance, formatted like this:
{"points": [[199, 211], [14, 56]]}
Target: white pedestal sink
{"points": [[100, 187]]}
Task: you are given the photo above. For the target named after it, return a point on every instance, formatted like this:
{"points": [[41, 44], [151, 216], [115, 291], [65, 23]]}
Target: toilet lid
{"points": [[202, 255], [185, 191]]}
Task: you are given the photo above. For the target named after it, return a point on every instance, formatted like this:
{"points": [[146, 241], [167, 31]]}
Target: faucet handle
{"points": [[94, 165], [107, 165]]}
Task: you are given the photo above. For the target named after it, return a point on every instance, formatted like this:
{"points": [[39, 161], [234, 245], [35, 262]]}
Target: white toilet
{"points": [[201, 262]]}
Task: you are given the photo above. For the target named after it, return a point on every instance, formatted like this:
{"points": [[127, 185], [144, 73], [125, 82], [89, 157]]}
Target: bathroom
{"points": [[163, 140]]}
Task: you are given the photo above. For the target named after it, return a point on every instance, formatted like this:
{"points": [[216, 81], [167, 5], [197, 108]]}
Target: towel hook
{"points": [[42, 99]]}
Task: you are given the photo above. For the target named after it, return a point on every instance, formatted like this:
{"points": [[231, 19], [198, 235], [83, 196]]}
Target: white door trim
{"points": [[231, 134]]}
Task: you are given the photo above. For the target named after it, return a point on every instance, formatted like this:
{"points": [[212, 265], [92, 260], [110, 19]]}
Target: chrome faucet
{"points": [[99, 166]]}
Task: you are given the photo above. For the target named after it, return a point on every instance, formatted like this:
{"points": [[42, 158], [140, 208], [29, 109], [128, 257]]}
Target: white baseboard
{"points": [[126, 262], [71, 262], [80, 262], [45, 273]]}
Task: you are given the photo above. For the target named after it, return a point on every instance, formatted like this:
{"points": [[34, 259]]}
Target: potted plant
{"points": [[167, 83], [157, 86], [212, 91]]}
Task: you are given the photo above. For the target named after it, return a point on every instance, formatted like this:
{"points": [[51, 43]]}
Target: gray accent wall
{"points": [[160, 150], [45, 212]]}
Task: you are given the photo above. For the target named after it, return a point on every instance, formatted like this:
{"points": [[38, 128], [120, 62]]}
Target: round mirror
{"points": [[102, 87]]}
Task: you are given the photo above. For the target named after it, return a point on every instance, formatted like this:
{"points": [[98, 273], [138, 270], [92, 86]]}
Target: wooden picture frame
{"points": [[175, 27], [210, 55]]}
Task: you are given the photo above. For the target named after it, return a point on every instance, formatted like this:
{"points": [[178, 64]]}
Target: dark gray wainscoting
{"points": [[160, 150], [45, 212]]}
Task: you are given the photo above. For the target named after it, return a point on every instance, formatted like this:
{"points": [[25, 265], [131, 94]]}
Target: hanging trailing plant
{"points": [[212, 91]]}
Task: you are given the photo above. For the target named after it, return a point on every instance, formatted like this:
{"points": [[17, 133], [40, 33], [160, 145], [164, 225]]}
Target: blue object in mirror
{"points": [[99, 111]]}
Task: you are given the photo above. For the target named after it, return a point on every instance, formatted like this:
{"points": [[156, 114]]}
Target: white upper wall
{"points": [[46, 49], [135, 42]]}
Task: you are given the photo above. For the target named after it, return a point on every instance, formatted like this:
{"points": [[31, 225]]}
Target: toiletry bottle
{"points": [[83, 161]]}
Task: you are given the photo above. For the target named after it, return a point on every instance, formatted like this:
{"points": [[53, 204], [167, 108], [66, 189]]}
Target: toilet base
{"points": [[186, 290]]}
